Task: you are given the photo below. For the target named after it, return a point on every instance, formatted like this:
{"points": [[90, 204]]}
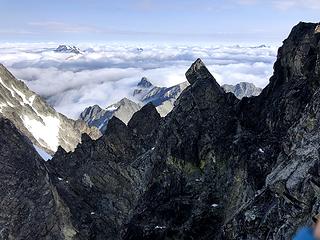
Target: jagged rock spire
{"points": [[199, 72], [144, 83]]}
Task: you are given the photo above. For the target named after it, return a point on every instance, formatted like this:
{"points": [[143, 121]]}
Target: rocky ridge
{"points": [[216, 167]]}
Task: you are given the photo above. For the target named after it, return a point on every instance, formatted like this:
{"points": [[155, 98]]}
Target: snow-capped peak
{"points": [[68, 49]]}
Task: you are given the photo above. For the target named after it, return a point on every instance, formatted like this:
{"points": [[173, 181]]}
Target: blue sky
{"points": [[215, 21]]}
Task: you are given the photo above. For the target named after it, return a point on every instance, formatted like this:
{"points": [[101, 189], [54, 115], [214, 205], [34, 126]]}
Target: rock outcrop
{"points": [[216, 167], [104, 179]]}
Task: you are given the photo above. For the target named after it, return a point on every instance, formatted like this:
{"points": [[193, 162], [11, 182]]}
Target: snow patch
{"points": [[46, 131], [111, 108], [14, 91], [214, 205], [261, 150], [159, 227], [22, 95]]}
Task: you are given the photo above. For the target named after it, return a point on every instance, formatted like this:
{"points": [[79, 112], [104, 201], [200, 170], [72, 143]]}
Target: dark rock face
{"points": [[239, 169], [30, 205], [103, 179], [215, 167]]}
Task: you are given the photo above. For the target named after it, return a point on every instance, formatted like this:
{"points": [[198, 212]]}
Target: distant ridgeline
{"points": [[162, 98]]}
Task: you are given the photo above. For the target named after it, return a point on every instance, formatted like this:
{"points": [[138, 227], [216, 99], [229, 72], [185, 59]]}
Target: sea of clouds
{"points": [[105, 73]]}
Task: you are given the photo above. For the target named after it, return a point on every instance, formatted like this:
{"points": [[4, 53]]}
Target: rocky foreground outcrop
{"points": [[216, 167]]}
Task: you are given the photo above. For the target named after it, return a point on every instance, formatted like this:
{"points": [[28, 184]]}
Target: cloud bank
{"points": [[105, 73]]}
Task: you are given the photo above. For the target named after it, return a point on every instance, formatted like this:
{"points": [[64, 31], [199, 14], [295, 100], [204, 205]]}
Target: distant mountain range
{"points": [[68, 49], [242, 89], [98, 117], [163, 98], [45, 127]]}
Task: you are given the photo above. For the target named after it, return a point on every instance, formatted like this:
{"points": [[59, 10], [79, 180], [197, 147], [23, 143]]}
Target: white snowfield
{"points": [[45, 129], [46, 132]]}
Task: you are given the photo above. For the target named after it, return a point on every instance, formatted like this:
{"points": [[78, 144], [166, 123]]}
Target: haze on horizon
{"points": [[237, 40], [74, 21]]}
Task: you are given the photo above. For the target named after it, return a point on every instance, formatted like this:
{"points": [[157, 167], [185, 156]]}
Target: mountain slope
{"points": [[98, 117], [35, 118], [242, 89], [161, 97]]}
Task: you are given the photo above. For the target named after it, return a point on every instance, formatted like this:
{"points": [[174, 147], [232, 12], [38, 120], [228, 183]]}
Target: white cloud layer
{"points": [[105, 73]]}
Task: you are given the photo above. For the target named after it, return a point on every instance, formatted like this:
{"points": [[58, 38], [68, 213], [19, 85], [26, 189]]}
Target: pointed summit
{"points": [[199, 72], [144, 83]]}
